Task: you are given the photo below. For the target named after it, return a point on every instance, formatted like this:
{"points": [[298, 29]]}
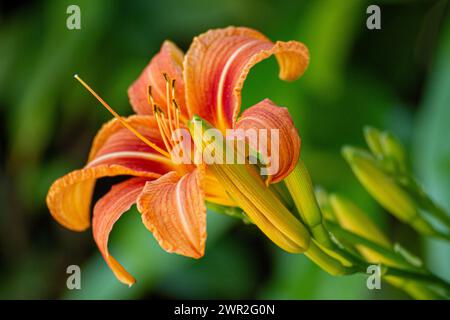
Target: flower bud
{"points": [[393, 149], [324, 204], [373, 140], [301, 189], [353, 219], [385, 190]]}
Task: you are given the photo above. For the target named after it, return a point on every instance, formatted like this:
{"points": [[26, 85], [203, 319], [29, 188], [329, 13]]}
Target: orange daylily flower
{"points": [[174, 87]]}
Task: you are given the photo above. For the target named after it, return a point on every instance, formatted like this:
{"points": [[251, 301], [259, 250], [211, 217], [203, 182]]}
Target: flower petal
{"points": [[115, 151], [107, 211], [115, 144], [217, 63], [173, 210], [169, 60], [267, 115], [69, 197]]}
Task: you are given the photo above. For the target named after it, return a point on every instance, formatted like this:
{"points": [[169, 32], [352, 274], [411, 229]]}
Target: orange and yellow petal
{"points": [[115, 151], [69, 197], [106, 212], [168, 61], [267, 115], [217, 63], [115, 144], [173, 209], [147, 124]]}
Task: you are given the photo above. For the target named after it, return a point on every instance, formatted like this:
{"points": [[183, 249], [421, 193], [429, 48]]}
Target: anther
{"points": [[173, 88], [177, 113], [169, 91], [150, 96]]}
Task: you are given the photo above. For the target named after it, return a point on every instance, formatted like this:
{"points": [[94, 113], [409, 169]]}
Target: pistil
{"points": [[122, 120]]}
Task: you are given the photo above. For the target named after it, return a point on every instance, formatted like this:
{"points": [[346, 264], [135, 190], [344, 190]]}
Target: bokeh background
{"points": [[397, 78]]}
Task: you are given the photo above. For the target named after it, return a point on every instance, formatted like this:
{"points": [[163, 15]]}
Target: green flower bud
{"points": [[393, 149], [301, 189], [385, 190], [373, 140], [324, 204], [352, 218]]}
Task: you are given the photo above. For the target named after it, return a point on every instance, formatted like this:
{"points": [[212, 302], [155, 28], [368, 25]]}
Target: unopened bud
{"points": [[373, 140], [385, 190]]}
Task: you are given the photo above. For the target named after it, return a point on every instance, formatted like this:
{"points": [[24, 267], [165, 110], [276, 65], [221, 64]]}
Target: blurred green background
{"points": [[397, 78]]}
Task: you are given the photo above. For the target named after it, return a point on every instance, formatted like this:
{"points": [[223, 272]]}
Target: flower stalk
{"points": [[333, 266]]}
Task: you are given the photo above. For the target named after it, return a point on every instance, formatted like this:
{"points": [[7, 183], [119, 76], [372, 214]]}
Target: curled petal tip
{"points": [[280, 150], [218, 62], [106, 212]]}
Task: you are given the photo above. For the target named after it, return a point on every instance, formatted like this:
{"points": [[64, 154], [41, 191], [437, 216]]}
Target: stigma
{"points": [[122, 120]]}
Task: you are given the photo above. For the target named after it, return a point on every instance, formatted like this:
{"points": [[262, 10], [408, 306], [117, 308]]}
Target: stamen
{"points": [[121, 120], [173, 89], [157, 112], [163, 124], [160, 120], [173, 98], [167, 122], [177, 113], [150, 97], [169, 92]]}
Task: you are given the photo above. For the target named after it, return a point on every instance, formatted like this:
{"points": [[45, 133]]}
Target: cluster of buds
{"points": [[385, 174], [359, 234]]}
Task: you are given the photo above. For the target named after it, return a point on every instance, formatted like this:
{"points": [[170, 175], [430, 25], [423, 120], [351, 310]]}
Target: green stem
{"points": [[426, 278], [326, 262], [407, 271], [426, 202], [334, 267], [437, 212], [357, 239]]}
